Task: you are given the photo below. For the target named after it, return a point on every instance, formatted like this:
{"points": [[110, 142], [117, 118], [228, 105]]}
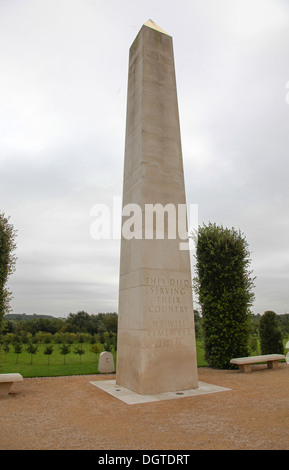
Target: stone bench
{"points": [[245, 363], [6, 382]]}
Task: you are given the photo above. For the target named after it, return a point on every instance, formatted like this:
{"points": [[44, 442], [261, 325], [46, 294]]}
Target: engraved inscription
{"points": [[168, 296]]}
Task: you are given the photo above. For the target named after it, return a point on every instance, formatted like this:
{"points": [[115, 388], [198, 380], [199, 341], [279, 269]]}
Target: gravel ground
{"points": [[69, 413]]}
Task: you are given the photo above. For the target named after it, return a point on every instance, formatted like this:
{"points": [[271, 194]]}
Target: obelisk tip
{"points": [[153, 25]]}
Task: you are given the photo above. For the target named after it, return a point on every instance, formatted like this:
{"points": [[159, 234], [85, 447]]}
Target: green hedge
{"points": [[224, 287]]}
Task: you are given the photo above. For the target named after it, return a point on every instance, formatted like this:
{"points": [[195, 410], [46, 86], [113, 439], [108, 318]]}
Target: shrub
{"points": [[270, 334], [223, 284]]}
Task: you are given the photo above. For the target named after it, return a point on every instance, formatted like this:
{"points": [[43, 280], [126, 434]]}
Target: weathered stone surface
{"points": [[6, 382], [106, 363], [156, 336]]}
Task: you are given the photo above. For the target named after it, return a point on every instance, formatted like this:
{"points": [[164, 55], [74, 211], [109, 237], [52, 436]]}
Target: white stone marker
{"points": [[106, 363], [156, 335]]}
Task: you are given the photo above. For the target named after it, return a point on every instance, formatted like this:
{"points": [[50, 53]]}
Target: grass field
{"points": [[50, 366], [41, 365]]}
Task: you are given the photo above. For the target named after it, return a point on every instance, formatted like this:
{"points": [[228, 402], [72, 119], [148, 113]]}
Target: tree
{"points": [[270, 334], [6, 349], [17, 350], [224, 286], [95, 348], [7, 263], [109, 340], [48, 351], [64, 350], [80, 351], [77, 322], [31, 349]]}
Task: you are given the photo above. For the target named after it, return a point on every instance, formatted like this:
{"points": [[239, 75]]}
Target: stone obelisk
{"points": [[156, 335]]}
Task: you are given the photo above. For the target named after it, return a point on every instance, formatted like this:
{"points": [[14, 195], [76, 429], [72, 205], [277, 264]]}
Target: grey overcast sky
{"points": [[63, 87]]}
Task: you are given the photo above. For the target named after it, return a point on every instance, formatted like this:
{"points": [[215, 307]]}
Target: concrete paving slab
{"points": [[131, 398]]}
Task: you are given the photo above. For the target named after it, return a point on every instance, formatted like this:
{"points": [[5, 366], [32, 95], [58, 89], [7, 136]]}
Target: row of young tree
{"points": [[64, 349]]}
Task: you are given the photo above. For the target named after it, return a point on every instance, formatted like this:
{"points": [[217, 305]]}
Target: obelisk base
{"points": [[156, 335]]}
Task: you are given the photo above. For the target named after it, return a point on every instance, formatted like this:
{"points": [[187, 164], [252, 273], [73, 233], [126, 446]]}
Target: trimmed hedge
{"points": [[224, 287], [270, 334]]}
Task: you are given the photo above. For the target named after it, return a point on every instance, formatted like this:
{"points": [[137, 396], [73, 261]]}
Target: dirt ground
{"points": [[69, 413]]}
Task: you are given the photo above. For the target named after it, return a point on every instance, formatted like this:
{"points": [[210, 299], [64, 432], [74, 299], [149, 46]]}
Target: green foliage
{"points": [[7, 263], [31, 349], [198, 324], [80, 351], [253, 345], [48, 351], [109, 340], [95, 348], [270, 334], [76, 327], [17, 350], [64, 350], [6, 348], [283, 323], [82, 322], [224, 287], [34, 325], [77, 322]]}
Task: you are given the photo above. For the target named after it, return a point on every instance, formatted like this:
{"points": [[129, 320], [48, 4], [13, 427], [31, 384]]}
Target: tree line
{"points": [[281, 322], [81, 327]]}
